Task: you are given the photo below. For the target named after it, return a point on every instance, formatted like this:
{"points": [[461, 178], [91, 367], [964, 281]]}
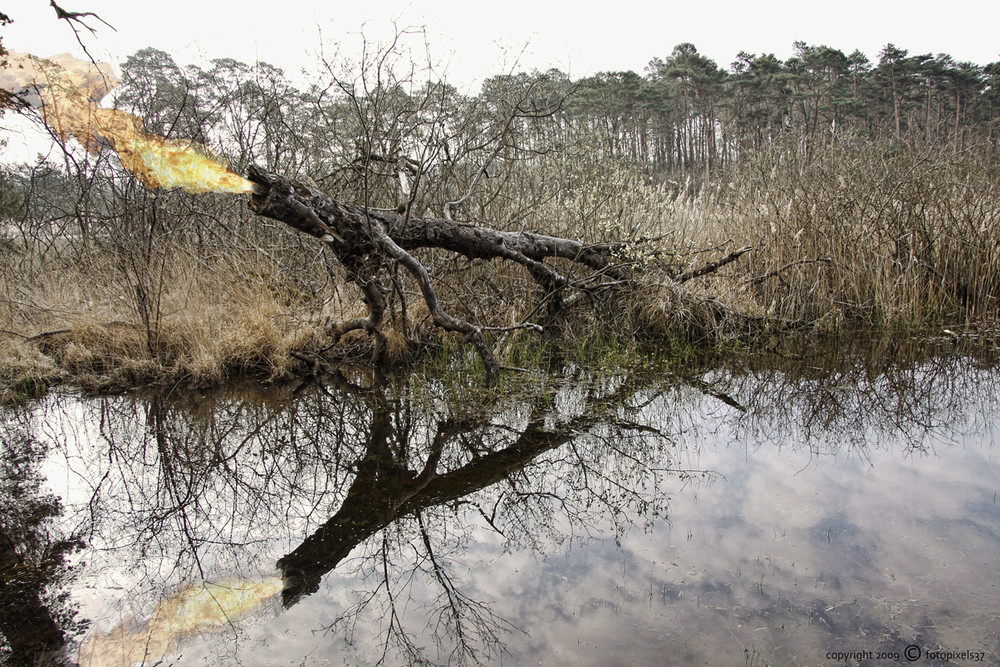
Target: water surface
{"points": [[806, 512]]}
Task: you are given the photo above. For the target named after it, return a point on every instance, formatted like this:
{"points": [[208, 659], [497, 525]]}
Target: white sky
{"points": [[470, 37], [470, 40]]}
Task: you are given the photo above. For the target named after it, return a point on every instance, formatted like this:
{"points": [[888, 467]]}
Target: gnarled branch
{"points": [[364, 241]]}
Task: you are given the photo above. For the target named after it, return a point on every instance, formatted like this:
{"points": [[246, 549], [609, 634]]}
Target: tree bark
{"points": [[366, 241]]}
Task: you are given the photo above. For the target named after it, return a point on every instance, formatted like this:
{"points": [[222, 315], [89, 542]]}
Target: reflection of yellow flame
{"points": [[68, 91], [192, 610]]}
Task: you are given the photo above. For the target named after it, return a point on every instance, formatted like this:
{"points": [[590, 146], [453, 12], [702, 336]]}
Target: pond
{"points": [[826, 509]]}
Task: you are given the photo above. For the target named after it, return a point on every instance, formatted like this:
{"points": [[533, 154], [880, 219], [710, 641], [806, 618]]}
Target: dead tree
{"points": [[368, 242]]}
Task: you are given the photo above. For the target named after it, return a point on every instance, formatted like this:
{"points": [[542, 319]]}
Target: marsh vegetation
{"points": [[818, 195]]}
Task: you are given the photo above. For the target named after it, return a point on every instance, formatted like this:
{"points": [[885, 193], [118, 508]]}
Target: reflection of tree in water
{"points": [[847, 395], [388, 483], [892, 405], [214, 484], [34, 615], [416, 481]]}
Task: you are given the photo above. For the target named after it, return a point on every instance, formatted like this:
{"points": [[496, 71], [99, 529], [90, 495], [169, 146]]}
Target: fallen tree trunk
{"points": [[368, 242]]}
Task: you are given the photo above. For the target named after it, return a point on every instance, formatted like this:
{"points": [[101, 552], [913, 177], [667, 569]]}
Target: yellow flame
{"points": [[69, 90], [190, 611]]}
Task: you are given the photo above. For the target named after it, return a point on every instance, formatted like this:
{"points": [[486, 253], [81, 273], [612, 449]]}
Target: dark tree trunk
{"points": [[388, 485], [367, 242]]}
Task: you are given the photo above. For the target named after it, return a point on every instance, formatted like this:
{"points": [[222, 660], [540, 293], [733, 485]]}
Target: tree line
{"points": [[686, 110], [383, 132]]}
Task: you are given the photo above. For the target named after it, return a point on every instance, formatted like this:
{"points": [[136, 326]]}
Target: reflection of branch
{"points": [[381, 488], [492, 516], [463, 609], [396, 630], [708, 390], [385, 490]]}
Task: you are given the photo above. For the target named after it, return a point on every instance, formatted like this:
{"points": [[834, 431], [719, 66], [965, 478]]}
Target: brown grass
{"points": [[213, 321], [885, 236], [861, 235]]}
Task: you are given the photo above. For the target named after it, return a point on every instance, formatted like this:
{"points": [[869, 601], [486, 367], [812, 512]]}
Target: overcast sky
{"points": [[471, 40]]}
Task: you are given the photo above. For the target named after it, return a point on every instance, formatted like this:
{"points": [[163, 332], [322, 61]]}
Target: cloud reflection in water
{"points": [[572, 526]]}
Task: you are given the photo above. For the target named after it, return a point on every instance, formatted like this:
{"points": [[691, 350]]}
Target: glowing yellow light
{"points": [[192, 610], [68, 91], [164, 163]]}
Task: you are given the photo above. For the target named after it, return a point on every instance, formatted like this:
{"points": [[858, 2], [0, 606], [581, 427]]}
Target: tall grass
{"points": [[214, 318], [870, 234], [862, 234], [859, 234]]}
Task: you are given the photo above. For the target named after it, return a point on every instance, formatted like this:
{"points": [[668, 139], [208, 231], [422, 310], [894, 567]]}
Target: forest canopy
{"points": [[684, 110]]}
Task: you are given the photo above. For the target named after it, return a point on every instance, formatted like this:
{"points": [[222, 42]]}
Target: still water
{"points": [[809, 511]]}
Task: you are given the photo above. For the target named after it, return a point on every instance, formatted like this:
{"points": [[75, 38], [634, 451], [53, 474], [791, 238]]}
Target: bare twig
{"points": [[712, 267], [76, 18], [770, 274]]}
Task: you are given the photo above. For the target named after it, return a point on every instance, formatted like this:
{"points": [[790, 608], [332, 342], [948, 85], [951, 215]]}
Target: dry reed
{"points": [[863, 234]]}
